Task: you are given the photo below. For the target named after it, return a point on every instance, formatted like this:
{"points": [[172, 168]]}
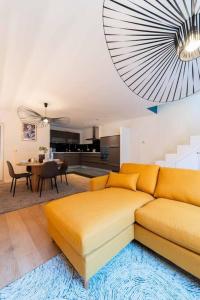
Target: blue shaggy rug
{"points": [[135, 273]]}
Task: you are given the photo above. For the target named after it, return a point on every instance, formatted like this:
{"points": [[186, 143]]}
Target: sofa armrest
{"points": [[98, 183]]}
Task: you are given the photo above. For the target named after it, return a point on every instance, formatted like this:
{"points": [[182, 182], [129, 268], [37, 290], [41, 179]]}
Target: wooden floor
{"points": [[24, 243]]}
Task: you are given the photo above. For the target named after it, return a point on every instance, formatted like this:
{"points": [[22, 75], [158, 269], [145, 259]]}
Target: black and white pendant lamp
{"points": [[155, 46]]}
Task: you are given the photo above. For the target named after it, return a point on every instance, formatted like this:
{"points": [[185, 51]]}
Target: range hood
{"points": [[95, 134]]}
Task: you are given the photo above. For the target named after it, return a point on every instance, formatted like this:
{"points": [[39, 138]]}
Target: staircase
{"points": [[186, 157]]}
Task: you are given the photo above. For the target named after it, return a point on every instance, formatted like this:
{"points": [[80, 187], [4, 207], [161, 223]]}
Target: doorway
{"points": [[1, 152]]}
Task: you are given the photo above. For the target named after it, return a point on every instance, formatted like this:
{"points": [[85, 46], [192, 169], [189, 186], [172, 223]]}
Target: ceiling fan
{"points": [[30, 116]]}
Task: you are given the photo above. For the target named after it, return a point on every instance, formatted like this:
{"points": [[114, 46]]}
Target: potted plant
{"points": [[42, 151]]}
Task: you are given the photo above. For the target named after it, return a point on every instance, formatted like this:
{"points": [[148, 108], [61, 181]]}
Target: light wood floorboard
{"points": [[24, 243], [24, 240]]}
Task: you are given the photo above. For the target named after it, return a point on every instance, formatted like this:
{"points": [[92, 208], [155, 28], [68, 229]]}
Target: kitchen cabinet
{"points": [[108, 158], [64, 137], [110, 151], [73, 159], [92, 160], [110, 141]]}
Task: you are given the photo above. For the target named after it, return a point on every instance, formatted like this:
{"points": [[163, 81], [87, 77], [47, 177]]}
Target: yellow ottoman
{"points": [[91, 227]]}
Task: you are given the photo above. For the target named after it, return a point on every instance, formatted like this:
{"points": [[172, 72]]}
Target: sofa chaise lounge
{"points": [[163, 214]]}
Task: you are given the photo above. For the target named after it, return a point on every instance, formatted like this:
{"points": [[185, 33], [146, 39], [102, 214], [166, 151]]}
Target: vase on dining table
{"points": [[41, 158], [42, 153]]}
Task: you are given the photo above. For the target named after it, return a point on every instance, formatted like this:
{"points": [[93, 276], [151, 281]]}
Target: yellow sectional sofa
{"points": [[163, 214], [170, 225]]}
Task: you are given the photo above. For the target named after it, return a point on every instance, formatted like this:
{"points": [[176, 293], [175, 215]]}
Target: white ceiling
{"points": [[55, 51]]}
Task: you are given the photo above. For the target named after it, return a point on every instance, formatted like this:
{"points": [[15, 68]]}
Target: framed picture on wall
{"points": [[29, 132]]}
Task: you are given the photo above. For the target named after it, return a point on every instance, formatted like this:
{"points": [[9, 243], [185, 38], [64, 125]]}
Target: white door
{"points": [[125, 145], [1, 151]]}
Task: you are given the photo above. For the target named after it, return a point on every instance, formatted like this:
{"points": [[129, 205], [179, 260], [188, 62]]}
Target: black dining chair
{"points": [[63, 171], [29, 169], [49, 170], [16, 176]]}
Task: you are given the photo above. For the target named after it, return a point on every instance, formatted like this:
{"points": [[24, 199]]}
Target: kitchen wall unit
{"points": [[112, 141], [63, 137]]}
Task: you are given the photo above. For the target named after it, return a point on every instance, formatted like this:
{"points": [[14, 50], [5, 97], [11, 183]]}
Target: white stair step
{"points": [[195, 140], [184, 149], [166, 164], [161, 163], [170, 157], [170, 164], [187, 156]]}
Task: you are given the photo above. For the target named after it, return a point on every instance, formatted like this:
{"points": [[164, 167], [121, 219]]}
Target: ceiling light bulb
{"points": [[193, 45], [46, 121]]}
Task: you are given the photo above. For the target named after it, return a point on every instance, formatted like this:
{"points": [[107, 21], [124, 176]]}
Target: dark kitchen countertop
{"points": [[86, 152]]}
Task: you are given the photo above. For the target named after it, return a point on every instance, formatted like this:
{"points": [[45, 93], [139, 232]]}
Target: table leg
{"points": [[35, 172]]}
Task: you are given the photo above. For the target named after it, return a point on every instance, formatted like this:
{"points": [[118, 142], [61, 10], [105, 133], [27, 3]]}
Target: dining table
{"points": [[35, 171]]}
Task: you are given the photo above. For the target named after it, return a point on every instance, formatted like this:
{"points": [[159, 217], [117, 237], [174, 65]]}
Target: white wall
{"points": [[87, 133], [155, 135], [14, 148]]}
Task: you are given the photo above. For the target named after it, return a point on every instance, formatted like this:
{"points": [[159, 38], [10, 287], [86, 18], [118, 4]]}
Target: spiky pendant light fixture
{"points": [[155, 46], [27, 115]]}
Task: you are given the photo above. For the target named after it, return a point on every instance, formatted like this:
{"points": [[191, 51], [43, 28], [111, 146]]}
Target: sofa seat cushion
{"points": [[88, 220], [175, 221]]}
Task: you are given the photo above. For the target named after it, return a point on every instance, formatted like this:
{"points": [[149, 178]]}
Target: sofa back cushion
{"points": [[147, 175], [126, 181], [179, 184]]}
